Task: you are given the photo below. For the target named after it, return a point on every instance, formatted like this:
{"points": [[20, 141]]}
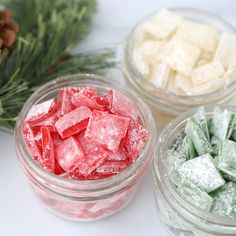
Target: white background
{"points": [[20, 213]]}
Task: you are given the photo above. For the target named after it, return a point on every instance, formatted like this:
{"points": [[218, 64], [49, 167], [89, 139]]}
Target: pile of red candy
{"points": [[82, 135]]}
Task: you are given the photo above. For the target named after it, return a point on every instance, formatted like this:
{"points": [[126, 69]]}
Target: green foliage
{"points": [[49, 30]]}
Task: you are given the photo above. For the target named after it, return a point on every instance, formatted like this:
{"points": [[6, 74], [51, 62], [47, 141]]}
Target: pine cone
{"points": [[8, 29]]}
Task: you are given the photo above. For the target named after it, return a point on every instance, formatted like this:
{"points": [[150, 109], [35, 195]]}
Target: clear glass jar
{"points": [[167, 105], [92, 199], [181, 217]]}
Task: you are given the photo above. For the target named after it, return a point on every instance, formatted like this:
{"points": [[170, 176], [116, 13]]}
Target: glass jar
{"points": [[91, 199], [181, 217], [166, 105]]}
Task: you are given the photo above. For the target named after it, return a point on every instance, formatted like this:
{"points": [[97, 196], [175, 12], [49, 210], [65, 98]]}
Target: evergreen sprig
{"points": [[49, 30]]}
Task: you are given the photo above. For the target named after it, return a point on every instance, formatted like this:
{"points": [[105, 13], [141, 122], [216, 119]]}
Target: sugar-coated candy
{"points": [[227, 158], [40, 111], [225, 200], [135, 140], [33, 148], [107, 129], [202, 172], [195, 195], [69, 154], [95, 155], [47, 150], [122, 105], [197, 135], [73, 122], [83, 135]]}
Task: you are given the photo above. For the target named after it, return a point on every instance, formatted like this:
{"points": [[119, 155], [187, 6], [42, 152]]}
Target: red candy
{"points": [[73, 122], [40, 111], [69, 154], [122, 105], [47, 150], [83, 135], [107, 129], [135, 140]]}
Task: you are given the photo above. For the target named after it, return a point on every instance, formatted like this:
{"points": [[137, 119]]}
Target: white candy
{"points": [[140, 62], [226, 50], [160, 75], [211, 71], [163, 24], [202, 36], [183, 83], [182, 56]]}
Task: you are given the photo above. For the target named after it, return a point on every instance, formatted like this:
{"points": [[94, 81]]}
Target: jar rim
{"points": [[90, 185], [136, 75], [165, 184]]}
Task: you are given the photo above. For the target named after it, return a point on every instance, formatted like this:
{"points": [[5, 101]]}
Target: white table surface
{"points": [[20, 212]]}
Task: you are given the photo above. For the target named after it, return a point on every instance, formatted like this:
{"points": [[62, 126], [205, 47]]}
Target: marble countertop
{"points": [[20, 212]]}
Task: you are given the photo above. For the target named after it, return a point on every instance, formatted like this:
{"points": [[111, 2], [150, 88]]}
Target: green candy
{"points": [[222, 124], [224, 200], [195, 195], [197, 136], [227, 158], [202, 172]]}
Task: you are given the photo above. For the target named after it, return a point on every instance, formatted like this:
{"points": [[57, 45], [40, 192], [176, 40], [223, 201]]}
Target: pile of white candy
{"points": [[184, 57]]}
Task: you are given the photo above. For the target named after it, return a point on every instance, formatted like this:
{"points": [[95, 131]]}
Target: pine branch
{"points": [[42, 51]]}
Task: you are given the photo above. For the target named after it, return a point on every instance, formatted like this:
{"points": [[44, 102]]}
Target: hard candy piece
{"points": [[30, 142], [182, 56], [202, 172], [160, 75], [69, 154], [48, 122], [112, 167], [87, 96], [47, 150], [195, 195], [107, 129], [163, 24], [183, 83], [135, 140], [64, 104], [224, 203], [216, 144], [200, 118], [207, 72], [174, 160], [227, 158], [122, 105], [40, 111], [73, 122], [226, 50], [222, 123], [95, 155], [120, 155], [202, 36], [188, 148], [196, 134]]}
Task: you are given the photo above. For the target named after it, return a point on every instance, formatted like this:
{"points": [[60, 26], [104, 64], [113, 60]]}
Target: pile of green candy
{"points": [[202, 162]]}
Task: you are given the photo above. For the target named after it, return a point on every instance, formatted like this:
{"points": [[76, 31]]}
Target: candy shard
{"points": [[40, 111], [95, 155], [122, 105], [120, 155], [112, 167], [227, 158], [47, 150], [195, 195], [225, 200], [107, 129], [135, 140], [73, 122], [196, 134], [30, 142], [64, 104], [199, 171], [69, 154]]}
